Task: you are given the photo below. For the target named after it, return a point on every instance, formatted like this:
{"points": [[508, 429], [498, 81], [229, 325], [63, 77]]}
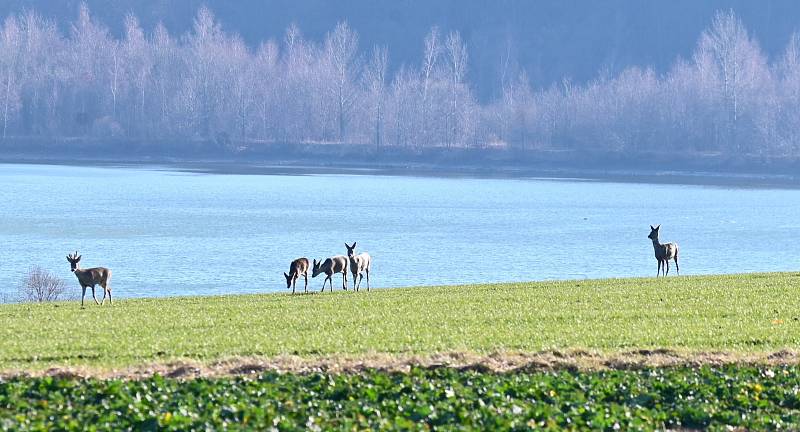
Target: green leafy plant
{"points": [[423, 399]]}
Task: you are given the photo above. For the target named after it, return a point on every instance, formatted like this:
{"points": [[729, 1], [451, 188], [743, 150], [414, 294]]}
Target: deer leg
{"points": [[658, 272], [94, 296], [109, 298], [83, 296], [294, 283], [323, 283], [666, 265], [344, 281], [104, 297], [305, 289], [677, 269], [367, 280]]}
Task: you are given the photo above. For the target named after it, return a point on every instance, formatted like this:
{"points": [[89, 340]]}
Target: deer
{"points": [[332, 265], [359, 264], [91, 277], [664, 252], [297, 268]]}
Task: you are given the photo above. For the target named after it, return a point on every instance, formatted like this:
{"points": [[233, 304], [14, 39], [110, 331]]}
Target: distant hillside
{"points": [[550, 39]]}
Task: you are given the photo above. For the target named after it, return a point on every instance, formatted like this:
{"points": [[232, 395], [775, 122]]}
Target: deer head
{"points": [[288, 280], [350, 249], [73, 259], [654, 232], [317, 269]]}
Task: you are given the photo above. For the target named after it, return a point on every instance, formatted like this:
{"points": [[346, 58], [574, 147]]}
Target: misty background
{"points": [[709, 83]]}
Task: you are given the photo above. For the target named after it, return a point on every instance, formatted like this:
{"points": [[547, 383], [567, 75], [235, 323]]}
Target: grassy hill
{"points": [[736, 314]]}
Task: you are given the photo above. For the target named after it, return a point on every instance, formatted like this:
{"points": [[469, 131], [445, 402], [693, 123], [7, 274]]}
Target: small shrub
{"points": [[41, 286]]}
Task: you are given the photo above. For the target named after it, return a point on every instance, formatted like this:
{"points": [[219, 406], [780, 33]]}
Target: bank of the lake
{"points": [[747, 176], [745, 316]]}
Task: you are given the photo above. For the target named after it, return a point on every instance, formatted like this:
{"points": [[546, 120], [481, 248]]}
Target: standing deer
{"points": [[91, 277], [664, 252], [359, 264], [332, 265], [297, 268]]}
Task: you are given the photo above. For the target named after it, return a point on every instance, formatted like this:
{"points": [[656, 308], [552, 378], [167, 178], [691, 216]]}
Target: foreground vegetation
{"points": [[706, 397], [737, 313]]}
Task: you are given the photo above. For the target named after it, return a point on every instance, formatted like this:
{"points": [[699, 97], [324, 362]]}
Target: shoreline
{"points": [[223, 166]]}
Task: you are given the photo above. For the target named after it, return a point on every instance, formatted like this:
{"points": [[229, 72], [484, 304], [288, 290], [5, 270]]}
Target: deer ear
{"points": [[354, 245], [658, 227], [651, 227], [287, 276], [78, 258]]}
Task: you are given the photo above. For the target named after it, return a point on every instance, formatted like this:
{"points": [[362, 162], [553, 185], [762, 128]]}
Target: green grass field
{"points": [[738, 313]]}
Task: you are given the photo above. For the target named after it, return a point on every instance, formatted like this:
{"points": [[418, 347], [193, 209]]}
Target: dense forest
{"points": [[208, 88]]}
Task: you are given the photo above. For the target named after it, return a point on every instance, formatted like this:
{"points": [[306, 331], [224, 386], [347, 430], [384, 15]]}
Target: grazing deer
{"points": [[332, 265], [359, 264], [664, 252], [297, 268], [91, 277]]}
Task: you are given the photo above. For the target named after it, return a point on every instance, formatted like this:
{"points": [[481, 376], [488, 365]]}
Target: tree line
{"points": [[210, 88]]}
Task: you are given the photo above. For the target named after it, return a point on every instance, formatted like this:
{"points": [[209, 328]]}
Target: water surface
{"points": [[166, 233]]}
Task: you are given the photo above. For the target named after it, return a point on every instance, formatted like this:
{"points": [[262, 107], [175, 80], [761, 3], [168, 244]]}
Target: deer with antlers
{"points": [[91, 277], [359, 265], [664, 252]]}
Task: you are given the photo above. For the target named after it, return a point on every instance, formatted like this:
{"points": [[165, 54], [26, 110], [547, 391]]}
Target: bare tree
{"points": [[138, 67], [375, 77], [41, 286], [89, 60], [10, 51], [341, 49], [457, 69], [737, 63], [168, 72], [430, 61], [788, 76], [267, 81], [201, 88]]}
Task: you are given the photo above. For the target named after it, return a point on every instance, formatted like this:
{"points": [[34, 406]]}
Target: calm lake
{"points": [[170, 233]]}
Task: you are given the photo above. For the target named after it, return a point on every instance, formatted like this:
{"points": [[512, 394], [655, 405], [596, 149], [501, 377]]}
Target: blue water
{"points": [[167, 233]]}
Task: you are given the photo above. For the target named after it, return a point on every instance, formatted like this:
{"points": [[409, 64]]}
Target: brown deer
{"points": [[91, 277], [297, 268], [664, 252], [359, 264], [332, 265]]}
